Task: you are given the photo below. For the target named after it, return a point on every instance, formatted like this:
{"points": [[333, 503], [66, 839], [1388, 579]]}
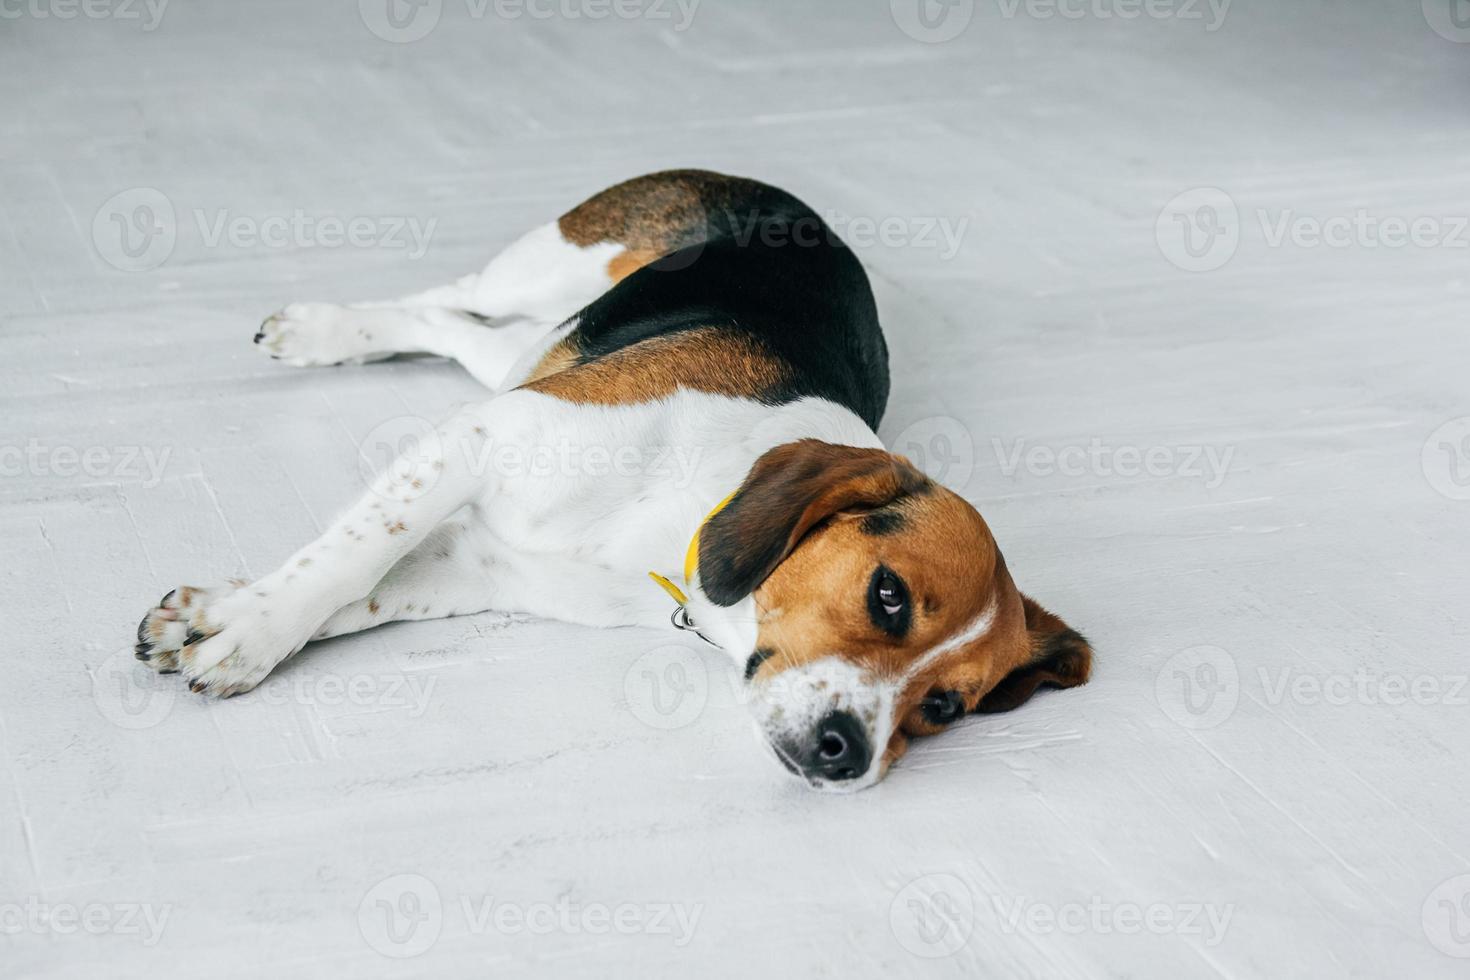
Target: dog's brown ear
{"points": [[1060, 657], [789, 491]]}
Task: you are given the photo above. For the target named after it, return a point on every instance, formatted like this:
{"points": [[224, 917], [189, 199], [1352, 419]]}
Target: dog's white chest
{"points": [[586, 500]]}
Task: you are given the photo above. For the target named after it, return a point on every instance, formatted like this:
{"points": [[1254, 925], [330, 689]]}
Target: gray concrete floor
{"points": [[1179, 300]]}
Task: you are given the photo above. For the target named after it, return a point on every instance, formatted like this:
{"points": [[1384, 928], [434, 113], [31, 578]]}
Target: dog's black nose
{"points": [[841, 750]]}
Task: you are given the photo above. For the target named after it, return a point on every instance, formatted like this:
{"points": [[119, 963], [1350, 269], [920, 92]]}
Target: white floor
{"points": [[1256, 514]]}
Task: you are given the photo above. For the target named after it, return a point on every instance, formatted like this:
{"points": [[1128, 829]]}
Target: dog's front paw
{"points": [[177, 621], [224, 641], [318, 334]]}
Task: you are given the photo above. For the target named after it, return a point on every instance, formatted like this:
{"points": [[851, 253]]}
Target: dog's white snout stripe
{"points": [[790, 704], [967, 634]]}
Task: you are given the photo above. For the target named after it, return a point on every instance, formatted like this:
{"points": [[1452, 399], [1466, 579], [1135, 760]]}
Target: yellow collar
{"points": [[691, 558]]}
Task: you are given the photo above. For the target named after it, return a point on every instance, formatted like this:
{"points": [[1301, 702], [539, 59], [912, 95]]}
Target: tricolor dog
{"points": [[864, 603]]}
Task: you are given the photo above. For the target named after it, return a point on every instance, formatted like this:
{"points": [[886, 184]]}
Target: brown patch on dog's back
{"points": [[708, 359], [561, 356], [653, 215], [625, 264], [656, 212]]}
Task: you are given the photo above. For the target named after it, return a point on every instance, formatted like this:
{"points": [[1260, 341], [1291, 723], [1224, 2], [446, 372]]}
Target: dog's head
{"points": [[884, 609]]}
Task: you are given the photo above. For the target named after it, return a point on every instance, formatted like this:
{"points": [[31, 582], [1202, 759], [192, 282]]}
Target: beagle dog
{"points": [[690, 312]]}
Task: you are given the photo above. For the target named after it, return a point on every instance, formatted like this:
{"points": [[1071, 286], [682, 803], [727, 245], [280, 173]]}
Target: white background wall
{"points": [[1265, 778]]}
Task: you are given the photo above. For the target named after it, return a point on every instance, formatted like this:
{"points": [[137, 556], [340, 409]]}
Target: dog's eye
{"points": [[942, 707], [888, 602], [889, 595]]}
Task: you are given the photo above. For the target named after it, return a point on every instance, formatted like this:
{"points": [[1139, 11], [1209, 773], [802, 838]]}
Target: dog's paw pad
{"points": [[317, 335], [178, 622], [222, 641]]}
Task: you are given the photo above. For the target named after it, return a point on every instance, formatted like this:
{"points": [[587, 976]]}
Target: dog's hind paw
{"points": [[318, 334]]}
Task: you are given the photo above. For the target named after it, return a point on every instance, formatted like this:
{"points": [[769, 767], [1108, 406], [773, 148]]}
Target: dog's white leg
{"points": [[311, 334], [227, 640], [460, 569], [315, 334], [452, 573], [484, 321]]}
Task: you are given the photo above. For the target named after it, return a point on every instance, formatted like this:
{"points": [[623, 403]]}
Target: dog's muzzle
{"points": [[835, 751], [823, 720]]}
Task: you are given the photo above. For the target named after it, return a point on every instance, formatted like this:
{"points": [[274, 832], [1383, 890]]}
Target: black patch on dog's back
{"points": [[772, 270]]}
